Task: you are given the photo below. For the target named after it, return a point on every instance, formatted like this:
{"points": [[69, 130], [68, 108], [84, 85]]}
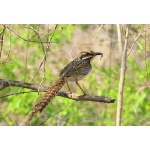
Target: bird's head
{"points": [[88, 55]]}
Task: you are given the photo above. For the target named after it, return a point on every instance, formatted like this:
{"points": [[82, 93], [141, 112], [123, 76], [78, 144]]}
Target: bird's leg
{"points": [[80, 87], [68, 87]]}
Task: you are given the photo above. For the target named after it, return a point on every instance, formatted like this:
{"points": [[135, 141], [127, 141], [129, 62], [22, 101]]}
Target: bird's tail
{"points": [[49, 95]]}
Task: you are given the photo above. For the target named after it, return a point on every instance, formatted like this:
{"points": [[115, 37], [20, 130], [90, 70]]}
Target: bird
{"points": [[75, 71]]}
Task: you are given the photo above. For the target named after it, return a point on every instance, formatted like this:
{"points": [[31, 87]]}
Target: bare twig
{"points": [[139, 35], [122, 76], [8, 54], [145, 58], [97, 34], [49, 41], [16, 93], [1, 40], [41, 33], [37, 33], [55, 113], [45, 51], [131, 48], [115, 78], [27, 39], [45, 54], [38, 68]]}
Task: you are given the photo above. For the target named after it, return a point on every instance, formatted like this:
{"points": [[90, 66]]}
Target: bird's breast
{"points": [[79, 76]]}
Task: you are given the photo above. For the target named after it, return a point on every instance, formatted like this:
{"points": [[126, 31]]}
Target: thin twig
{"points": [[49, 41], [45, 34], [45, 51], [55, 114], [97, 34], [27, 39], [139, 35], [37, 33], [45, 55], [145, 58], [116, 76], [26, 56], [8, 54], [43, 62], [2, 40], [38, 68], [16, 93], [131, 48]]}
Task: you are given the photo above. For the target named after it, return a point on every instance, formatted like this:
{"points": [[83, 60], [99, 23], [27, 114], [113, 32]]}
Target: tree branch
{"points": [[122, 75], [40, 88]]}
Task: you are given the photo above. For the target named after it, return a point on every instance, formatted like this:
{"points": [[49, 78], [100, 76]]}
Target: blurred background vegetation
{"points": [[22, 53]]}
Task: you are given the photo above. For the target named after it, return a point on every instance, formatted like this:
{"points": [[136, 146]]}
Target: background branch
{"points": [[122, 74], [119, 38]]}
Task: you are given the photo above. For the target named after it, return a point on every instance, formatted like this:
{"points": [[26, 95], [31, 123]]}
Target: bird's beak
{"points": [[98, 53]]}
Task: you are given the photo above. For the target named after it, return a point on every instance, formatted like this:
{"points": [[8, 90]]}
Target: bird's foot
{"points": [[70, 94]]}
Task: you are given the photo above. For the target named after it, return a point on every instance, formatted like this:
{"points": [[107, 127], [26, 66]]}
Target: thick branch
{"points": [[40, 88]]}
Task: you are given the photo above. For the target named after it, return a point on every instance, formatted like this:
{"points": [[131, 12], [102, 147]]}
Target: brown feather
{"points": [[49, 95]]}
